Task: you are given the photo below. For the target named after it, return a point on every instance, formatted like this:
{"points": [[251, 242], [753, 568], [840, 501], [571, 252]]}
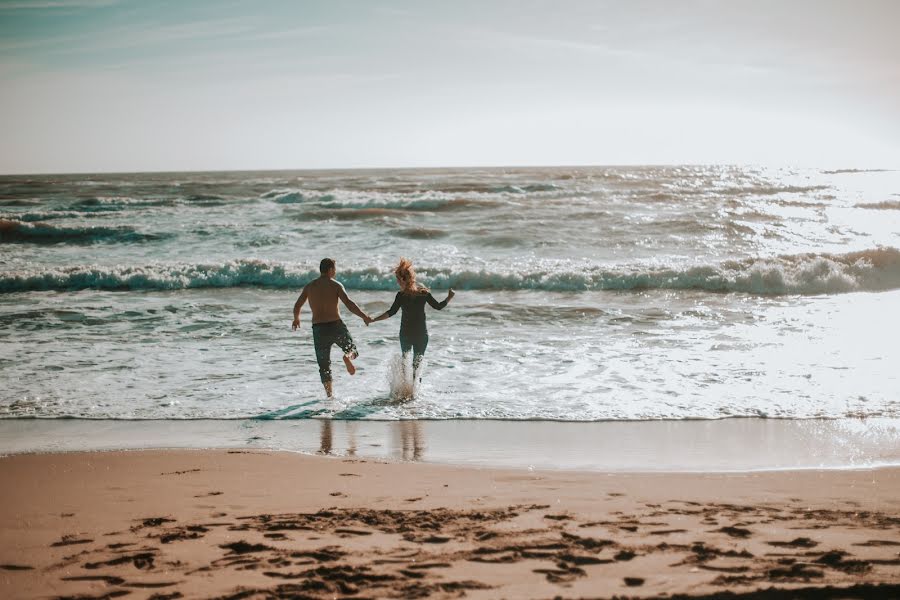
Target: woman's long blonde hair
{"points": [[406, 276]]}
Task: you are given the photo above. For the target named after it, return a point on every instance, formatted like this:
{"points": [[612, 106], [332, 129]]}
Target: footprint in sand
{"points": [[800, 542], [878, 543], [108, 579], [243, 547], [795, 571], [141, 560], [351, 532], [154, 521], [70, 540], [738, 532]]}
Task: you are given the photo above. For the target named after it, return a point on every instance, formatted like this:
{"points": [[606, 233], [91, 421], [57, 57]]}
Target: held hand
{"points": [[295, 324], [367, 320], [450, 293]]}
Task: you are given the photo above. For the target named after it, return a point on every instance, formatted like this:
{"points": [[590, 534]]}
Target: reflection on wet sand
{"points": [[325, 437], [412, 444], [407, 439], [351, 437]]}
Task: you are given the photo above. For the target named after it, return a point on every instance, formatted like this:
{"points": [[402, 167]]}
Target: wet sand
{"points": [[701, 446], [256, 524]]}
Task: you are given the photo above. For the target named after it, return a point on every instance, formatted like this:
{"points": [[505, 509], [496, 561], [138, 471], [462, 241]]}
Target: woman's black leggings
{"points": [[417, 342]]}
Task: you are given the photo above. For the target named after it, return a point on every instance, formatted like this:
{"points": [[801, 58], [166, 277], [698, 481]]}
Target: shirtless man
{"points": [[323, 294]]}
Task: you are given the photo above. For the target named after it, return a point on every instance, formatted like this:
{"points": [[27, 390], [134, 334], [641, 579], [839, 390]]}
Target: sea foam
{"points": [[874, 269]]}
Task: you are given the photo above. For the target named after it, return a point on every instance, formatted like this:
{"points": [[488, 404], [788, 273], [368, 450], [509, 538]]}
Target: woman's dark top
{"points": [[412, 321]]}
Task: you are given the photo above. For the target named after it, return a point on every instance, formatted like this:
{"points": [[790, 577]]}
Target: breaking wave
{"points": [[116, 204], [20, 232], [420, 233], [31, 217], [875, 269], [352, 199], [290, 197]]}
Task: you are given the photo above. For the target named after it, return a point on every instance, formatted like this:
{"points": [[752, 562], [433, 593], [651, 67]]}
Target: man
{"points": [[323, 294]]}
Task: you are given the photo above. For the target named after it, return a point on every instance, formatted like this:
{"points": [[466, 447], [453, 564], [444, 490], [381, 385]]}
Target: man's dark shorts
{"points": [[326, 334]]}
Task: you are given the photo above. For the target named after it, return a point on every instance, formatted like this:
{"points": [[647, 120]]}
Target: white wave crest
{"points": [[359, 199], [875, 269]]}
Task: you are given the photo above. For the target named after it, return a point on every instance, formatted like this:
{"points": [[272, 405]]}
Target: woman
{"points": [[411, 300]]}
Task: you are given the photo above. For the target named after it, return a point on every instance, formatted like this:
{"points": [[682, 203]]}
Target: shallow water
{"points": [[583, 294]]}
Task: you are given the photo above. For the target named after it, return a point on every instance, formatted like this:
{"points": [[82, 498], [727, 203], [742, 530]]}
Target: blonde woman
{"points": [[411, 300]]}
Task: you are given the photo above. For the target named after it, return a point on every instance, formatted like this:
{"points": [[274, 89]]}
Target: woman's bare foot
{"points": [[349, 363]]}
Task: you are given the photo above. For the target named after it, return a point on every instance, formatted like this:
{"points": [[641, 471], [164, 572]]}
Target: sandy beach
{"points": [[257, 524]]}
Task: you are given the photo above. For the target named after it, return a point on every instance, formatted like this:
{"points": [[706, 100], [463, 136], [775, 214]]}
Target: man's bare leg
{"points": [[348, 362], [328, 392]]}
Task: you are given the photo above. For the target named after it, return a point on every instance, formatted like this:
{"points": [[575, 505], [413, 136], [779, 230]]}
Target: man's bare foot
{"points": [[349, 363]]}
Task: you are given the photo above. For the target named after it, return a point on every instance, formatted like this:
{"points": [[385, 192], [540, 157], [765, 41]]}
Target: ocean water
{"points": [[583, 294]]}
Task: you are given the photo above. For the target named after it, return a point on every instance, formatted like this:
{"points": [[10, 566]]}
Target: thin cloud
{"points": [[25, 44], [52, 4], [145, 35], [133, 36], [294, 32], [156, 35], [519, 42], [589, 47]]}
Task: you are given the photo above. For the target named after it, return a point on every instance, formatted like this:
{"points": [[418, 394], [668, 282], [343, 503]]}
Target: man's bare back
{"points": [[323, 295]]}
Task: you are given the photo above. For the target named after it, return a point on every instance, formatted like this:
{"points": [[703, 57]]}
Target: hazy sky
{"points": [[136, 85]]}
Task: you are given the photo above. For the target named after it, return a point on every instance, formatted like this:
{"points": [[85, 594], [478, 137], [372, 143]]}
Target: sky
{"points": [[132, 85]]}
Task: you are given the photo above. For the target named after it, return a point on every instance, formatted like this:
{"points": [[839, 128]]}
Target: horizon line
{"points": [[449, 168]]}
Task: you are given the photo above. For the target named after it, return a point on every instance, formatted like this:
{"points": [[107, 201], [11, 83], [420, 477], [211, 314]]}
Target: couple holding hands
{"points": [[323, 294]]}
